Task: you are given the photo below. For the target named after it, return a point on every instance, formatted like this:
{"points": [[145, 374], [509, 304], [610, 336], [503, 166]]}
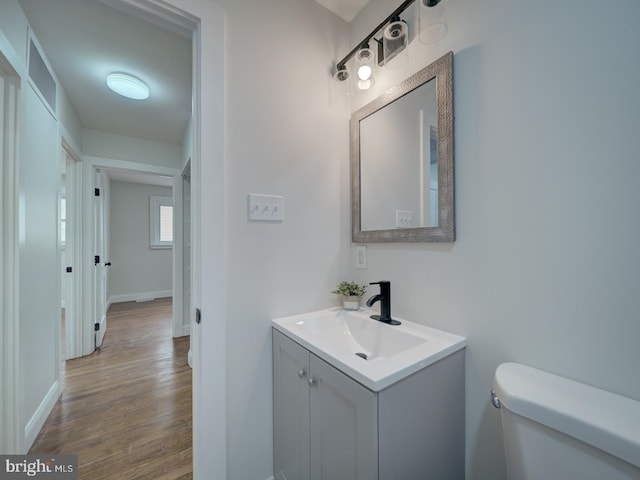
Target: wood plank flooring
{"points": [[126, 410]]}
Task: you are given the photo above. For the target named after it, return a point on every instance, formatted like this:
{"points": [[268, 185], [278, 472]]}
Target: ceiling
{"points": [[345, 9], [84, 40]]}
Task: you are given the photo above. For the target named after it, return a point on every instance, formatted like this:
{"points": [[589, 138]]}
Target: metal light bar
{"points": [[396, 12]]}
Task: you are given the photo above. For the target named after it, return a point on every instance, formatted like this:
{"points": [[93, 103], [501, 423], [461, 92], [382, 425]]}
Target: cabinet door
{"points": [[290, 409], [344, 426]]}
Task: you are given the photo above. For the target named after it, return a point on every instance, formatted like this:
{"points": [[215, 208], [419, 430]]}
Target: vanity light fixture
{"points": [[398, 36], [128, 86]]}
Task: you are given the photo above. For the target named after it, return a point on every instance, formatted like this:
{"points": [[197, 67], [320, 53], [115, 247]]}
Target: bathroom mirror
{"points": [[402, 187]]}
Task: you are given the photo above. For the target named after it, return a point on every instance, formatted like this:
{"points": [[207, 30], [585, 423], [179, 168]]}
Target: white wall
{"points": [[13, 24], [137, 271], [121, 147], [71, 127], [283, 138], [545, 268], [39, 288]]}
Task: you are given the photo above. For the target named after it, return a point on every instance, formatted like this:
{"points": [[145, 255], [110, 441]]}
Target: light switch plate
{"points": [[266, 208], [404, 219]]}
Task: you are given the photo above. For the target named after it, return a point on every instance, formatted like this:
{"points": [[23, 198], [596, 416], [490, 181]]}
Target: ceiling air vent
{"points": [[41, 76]]}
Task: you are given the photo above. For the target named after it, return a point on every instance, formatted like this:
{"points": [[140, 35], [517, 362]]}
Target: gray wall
{"points": [[137, 271], [546, 267]]}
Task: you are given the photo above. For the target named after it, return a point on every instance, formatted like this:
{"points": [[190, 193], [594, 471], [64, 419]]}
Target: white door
{"points": [[69, 267], [100, 262]]}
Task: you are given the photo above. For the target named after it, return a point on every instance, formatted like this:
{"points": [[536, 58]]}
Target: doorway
{"points": [[205, 21], [125, 262]]}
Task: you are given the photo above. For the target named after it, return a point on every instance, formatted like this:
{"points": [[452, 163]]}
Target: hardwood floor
{"points": [[126, 410]]}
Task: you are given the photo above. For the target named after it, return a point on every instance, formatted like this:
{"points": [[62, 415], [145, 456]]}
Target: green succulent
{"points": [[350, 289]]}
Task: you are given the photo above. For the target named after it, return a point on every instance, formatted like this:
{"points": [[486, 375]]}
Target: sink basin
{"points": [[373, 353]]}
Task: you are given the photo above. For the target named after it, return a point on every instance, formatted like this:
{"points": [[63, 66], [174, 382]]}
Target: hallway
{"points": [[126, 410]]}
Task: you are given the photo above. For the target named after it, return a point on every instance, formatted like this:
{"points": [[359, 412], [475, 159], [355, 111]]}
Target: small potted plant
{"points": [[351, 294]]}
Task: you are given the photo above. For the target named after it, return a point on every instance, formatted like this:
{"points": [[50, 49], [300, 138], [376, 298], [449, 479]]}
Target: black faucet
{"points": [[385, 303]]}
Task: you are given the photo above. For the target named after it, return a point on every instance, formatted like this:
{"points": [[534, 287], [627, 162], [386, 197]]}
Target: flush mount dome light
{"points": [[128, 86]]}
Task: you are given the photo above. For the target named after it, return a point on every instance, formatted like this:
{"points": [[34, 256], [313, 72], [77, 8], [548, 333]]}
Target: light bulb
{"points": [[364, 72]]}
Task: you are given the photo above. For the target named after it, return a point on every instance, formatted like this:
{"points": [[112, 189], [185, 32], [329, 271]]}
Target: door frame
{"points": [[91, 165], [13, 76], [206, 22], [187, 259]]}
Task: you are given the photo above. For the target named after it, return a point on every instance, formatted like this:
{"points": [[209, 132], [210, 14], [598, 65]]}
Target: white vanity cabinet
{"points": [[328, 426]]}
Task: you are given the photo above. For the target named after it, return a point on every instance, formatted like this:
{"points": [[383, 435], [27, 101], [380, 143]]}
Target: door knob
{"points": [[311, 382], [301, 373]]}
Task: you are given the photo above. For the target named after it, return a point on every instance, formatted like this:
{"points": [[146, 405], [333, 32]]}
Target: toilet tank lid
{"points": [[603, 419]]}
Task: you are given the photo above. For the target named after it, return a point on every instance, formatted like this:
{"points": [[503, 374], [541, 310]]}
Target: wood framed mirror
{"points": [[401, 147]]}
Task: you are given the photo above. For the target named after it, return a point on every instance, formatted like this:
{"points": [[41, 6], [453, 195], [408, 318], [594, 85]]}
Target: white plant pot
{"points": [[351, 302]]}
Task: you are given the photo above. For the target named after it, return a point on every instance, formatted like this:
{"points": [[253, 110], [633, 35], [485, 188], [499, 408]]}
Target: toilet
{"points": [[556, 428]]}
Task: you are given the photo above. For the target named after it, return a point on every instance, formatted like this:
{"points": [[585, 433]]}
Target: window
{"points": [[161, 222]]}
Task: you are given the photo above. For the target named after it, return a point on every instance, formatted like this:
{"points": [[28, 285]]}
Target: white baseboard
{"points": [[36, 422], [139, 297], [186, 330], [190, 358]]}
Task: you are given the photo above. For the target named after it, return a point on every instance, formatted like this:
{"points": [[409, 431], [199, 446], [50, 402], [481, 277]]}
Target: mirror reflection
{"points": [[399, 163]]}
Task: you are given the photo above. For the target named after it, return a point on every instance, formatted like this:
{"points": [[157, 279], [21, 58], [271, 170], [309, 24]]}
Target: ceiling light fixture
{"points": [[128, 86]]}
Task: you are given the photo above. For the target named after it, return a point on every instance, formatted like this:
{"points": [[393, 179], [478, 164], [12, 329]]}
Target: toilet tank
{"points": [[556, 428]]}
